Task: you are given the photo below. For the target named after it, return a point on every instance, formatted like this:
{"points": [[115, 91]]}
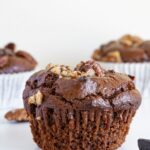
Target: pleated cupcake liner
{"points": [[11, 89], [141, 71], [94, 129]]}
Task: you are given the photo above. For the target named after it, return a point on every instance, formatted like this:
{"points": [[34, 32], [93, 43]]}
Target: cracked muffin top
{"points": [[88, 86], [12, 61], [126, 49]]}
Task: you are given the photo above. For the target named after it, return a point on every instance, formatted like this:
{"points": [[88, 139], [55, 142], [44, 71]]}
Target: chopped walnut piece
{"points": [[56, 70], [67, 73], [64, 68], [90, 68], [39, 98], [32, 100], [130, 40], [49, 66], [38, 118], [97, 54], [90, 73], [113, 57], [59, 70], [99, 71], [76, 74], [64, 73], [36, 99]]}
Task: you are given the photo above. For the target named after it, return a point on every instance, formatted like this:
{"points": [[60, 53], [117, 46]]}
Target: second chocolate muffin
{"points": [[12, 61], [85, 108], [127, 49]]}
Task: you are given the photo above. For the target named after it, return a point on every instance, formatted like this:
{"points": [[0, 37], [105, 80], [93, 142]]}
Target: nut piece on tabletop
{"points": [[18, 115], [130, 40], [144, 144]]}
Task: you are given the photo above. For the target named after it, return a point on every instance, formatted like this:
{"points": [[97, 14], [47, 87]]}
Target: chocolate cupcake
{"points": [[15, 69], [130, 55], [84, 108], [127, 49], [12, 61]]}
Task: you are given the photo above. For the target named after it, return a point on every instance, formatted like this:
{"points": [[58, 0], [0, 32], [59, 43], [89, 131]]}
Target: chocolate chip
{"points": [[18, 115]]}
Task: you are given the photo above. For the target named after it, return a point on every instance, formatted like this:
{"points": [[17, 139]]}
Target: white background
{"points": [[67, 31]]}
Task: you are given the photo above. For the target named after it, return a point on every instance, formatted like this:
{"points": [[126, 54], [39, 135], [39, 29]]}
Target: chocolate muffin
{"points": [[12, 61], [85, 108], [127, 49], [15, 68]]}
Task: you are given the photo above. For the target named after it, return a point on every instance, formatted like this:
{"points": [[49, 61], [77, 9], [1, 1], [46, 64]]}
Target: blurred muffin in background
{"points": [[129, 54], [127, 49], [15, 68]]}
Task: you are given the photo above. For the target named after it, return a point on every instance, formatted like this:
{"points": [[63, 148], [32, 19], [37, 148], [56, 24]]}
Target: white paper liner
{"points": [[11, 89], [141, 71]]}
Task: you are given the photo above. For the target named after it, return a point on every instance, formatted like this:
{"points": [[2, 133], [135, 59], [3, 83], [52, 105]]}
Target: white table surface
{"points": [[17, 136]]}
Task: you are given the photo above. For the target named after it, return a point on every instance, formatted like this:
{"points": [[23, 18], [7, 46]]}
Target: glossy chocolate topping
{"points": [[127, 49], [12, 61], [86, 87]]}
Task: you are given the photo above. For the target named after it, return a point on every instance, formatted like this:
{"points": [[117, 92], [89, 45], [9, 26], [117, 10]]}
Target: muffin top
{"points": [[88, 86], [12, 61], [126, 49]]}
